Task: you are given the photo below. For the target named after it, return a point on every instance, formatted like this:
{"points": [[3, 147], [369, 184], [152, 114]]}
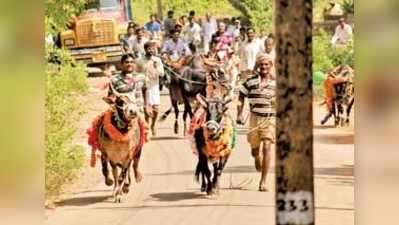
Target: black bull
{"points": [[183, 85], [342, 104]]}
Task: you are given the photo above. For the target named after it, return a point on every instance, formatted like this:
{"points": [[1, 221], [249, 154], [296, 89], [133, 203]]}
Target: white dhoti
{"points": [[154, 95]]}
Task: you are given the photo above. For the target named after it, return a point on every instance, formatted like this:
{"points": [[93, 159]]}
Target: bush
{"points": [[321, 53], [64, 83], [261, 14]]}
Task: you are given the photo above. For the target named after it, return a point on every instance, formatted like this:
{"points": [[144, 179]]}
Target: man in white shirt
{"points": [[269, 51], [209, 27], [234, 29], [138, 44], [153, 69], [175, 46], [248, 52], [193, 34], [127, 42], [343, 34]]}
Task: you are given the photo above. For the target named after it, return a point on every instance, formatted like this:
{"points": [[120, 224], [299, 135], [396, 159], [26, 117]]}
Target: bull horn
{"points": [[202, 100], [228, 100], [116, 93]]}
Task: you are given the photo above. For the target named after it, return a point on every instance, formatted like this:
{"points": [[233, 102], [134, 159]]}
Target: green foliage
{"points": [[258, 11], [57, 13], [325, 57], [261, 14], [343, 56], [142, 9], [349, 6], [321, 53], [64, 84]]}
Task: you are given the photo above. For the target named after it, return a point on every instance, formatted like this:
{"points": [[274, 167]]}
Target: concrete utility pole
{"points": [[159, 7], [294, 147]]}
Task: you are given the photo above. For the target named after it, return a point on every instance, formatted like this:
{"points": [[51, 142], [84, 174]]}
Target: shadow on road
{"points": [[323, 127], [344, 170], [155, 207], [83, 201], [336, 139], [176, 196]]}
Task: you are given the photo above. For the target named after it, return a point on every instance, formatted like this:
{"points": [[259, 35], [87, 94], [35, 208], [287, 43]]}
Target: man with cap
{"points": [[260, 90]]}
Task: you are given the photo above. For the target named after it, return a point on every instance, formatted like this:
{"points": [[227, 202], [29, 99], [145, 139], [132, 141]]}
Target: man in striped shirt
{"points": [[260, 91]]}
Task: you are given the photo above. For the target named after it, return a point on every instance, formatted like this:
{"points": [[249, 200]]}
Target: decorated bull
{"points": [[119, 135], [214, 137]]}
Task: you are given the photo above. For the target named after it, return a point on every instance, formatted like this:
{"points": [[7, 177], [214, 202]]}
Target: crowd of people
{"points": [[247, 61], [246, 58], [226, 41]]}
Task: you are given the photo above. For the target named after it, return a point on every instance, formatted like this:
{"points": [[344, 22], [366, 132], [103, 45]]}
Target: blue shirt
{"points": [[153, 27]]}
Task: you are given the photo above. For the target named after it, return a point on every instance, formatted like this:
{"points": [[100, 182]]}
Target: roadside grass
{"points": [[64, 83]]}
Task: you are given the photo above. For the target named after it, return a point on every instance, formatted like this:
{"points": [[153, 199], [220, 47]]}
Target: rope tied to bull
{"points": [[182, 78]]}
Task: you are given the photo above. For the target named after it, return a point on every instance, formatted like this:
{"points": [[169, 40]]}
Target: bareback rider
{"points": [[130, 82]]}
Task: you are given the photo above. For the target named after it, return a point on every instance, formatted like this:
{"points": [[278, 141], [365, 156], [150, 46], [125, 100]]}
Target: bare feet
{"points": [[262, 187], [138, 176]]}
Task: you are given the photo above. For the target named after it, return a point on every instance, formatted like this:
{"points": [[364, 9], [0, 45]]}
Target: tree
{"points": [[58, 13], [294, 155]]}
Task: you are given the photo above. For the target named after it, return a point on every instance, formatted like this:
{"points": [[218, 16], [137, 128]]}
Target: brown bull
{"points": [[119, 136], [338, 87]]}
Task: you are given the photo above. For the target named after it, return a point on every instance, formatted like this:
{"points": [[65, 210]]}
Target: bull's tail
{"points": [[165, 115]]}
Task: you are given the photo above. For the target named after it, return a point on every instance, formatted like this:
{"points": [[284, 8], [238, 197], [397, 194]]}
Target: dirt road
{"points": [[168, 194]]}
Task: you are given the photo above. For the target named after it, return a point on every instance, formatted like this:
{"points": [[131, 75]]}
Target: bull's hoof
{"points": [[138, 176], [203, 188], [209, 191], [118, 199], [125, 188], [176, 128], [185, 130], [153, 132], [109, 182]]}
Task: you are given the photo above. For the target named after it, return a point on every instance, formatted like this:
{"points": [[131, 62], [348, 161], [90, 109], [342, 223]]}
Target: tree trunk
{"points": [[159, 10], [294, 147]]}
